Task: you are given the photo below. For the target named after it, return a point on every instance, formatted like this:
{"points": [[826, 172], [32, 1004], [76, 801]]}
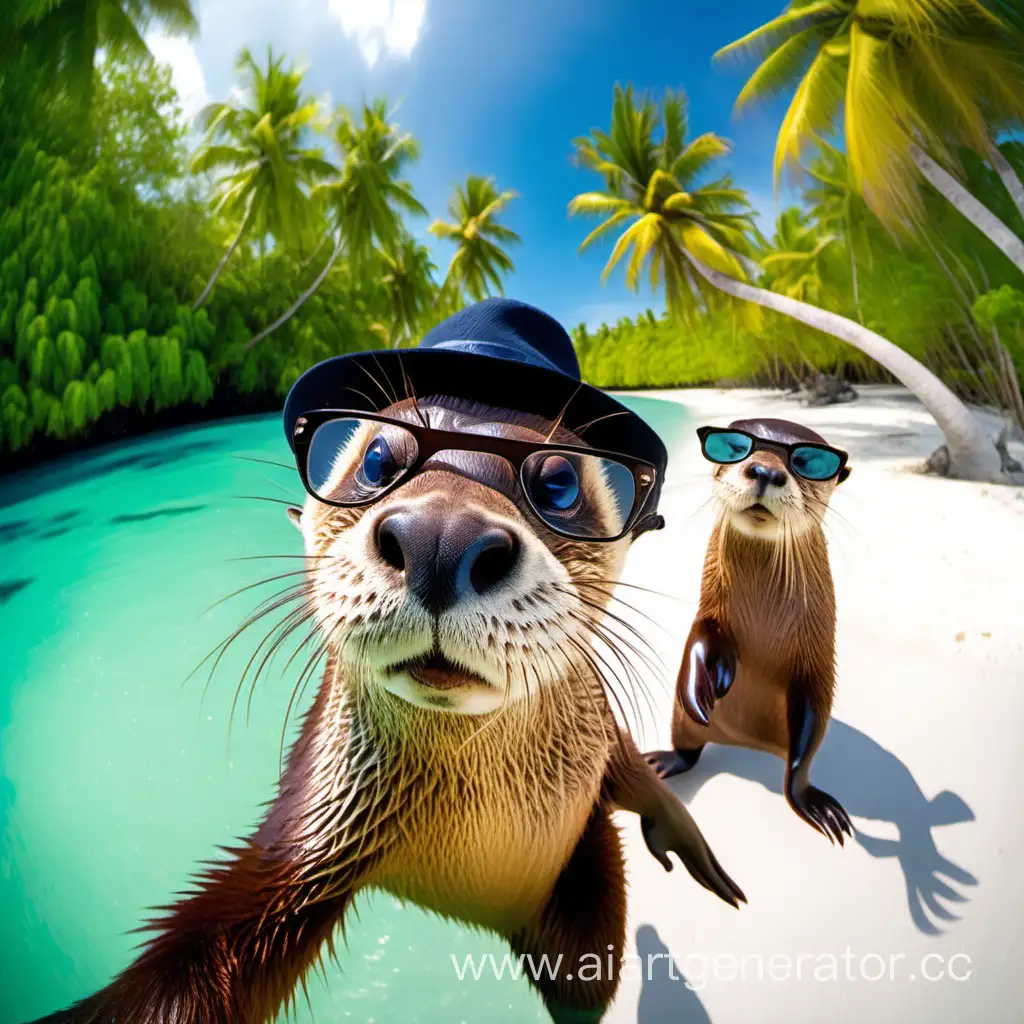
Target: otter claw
{"points": [[822, 812], [685, 841], [667, 763]]}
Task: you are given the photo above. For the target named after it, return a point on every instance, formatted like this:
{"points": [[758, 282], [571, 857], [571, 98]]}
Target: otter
{"points": [[758, 666], [461, 752]]}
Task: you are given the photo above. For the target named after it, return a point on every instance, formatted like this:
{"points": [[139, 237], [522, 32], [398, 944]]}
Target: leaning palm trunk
{"points": [[973, 209], [1005, 170], [224, 260], [297, 304], [972, 453]]}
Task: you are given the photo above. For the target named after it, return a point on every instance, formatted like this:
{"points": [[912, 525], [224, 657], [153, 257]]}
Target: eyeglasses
{"points": [[349, 459], [808, 460]]}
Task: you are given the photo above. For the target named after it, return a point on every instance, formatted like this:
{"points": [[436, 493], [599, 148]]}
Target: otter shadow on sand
{"points": [[664, 995], [870, 782]]}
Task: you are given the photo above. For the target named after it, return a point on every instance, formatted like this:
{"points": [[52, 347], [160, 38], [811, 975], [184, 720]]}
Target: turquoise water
{"points": [[117, 777]]}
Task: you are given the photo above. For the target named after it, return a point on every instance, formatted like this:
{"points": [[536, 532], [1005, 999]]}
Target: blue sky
{"points": [[501, 87]]}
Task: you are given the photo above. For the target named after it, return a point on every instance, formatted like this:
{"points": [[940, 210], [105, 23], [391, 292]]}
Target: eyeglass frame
{"points": [[430, 441], [788, 447]]}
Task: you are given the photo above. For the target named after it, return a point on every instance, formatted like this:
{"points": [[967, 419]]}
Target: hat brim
{"points": [[369, 381]]}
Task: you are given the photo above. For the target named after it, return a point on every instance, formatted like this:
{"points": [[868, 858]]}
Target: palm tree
{"points": [[369, 196], [688, 246], [365, 200], [836, 206], [258, 145], [801, 261], [915, 81], [479, 261], [73, 30], [653, 186], [408, 282]]}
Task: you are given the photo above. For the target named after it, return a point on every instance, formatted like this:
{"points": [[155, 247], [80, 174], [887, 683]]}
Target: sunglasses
{"points": [[808, 460], [349, 459]]}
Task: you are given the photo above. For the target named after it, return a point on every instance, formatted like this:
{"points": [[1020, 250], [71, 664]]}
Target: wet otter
{"points": [[461, 751], [758, 668]]}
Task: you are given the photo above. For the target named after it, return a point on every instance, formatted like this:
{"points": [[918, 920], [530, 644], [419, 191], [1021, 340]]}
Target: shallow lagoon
{"points": [[118, 776]]}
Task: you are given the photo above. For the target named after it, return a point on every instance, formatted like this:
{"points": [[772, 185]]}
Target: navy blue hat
{"points": [[499, 352]]}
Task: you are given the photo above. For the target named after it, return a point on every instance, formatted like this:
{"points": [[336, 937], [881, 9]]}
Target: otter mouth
{"points": [[438, 672], [760, 512]]}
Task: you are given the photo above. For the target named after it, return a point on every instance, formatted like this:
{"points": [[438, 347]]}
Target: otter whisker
{"points": [[633, 631], [625, 604], [262, 497], [410, 392], [222, 647], [265, 462], [283, 635], [628, 686], [599, 677], [253, 586], [636, 679], [558, 419], [297, 612], [579, 431], [389, 398]]}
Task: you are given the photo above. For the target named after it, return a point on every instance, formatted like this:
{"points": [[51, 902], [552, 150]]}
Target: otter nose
{"points": [[764, 475], [446, 558]]}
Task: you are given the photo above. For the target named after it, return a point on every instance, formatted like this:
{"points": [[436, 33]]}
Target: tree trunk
{"points": [[1005, 170], [223, 261], [972, 453], [973, 209], [297, 304]]}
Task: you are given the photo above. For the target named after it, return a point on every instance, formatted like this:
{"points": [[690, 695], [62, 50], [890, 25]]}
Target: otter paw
{"points": [[680, 835], [698, 694], [667, 763], [823, 813]]}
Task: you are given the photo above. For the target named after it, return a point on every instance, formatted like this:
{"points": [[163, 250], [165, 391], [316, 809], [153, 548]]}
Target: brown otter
{"points": [[758, 667], [461, 752]]}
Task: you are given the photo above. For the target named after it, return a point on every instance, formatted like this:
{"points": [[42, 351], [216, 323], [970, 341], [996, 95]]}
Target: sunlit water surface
{"points": [[118, 776]]}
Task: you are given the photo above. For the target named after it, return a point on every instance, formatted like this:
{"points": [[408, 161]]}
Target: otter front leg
{"points": [[666, 823], [231, 953], [575, 945], [807, 726], [706, 673]]}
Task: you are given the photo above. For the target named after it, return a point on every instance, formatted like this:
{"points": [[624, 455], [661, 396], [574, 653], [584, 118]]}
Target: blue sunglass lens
{"points": [[727, 446], [815, 463]]}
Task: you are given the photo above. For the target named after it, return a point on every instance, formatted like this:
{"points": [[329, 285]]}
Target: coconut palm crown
{"points": [[652, 192]]}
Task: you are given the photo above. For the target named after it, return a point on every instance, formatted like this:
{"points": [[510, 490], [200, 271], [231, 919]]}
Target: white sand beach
{"points": [[925, 752]]}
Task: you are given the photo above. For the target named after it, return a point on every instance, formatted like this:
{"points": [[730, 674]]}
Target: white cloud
{"points": [[389, 28], [186, 71]]}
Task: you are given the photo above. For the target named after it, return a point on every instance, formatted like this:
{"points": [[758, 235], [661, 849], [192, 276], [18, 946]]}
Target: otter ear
{"points": [[295, 515], [843, 474]]}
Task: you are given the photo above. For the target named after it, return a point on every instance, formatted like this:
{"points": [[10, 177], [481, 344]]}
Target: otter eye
{"points": [[341, 469], [379, 464], [725, 446], [815, 463], [555, 485], [581, 495]]}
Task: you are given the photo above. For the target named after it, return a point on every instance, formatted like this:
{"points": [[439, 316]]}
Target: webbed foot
{"points": [[676, 832], [821, 812]]}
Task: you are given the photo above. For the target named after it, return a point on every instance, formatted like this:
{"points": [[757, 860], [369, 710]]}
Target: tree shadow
{"points": [[870, 782], [665, 997], [159, 513], [8, 588]]}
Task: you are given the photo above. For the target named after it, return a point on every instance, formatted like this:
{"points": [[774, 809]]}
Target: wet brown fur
{"points": [[501, 821], [774, 600]]}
